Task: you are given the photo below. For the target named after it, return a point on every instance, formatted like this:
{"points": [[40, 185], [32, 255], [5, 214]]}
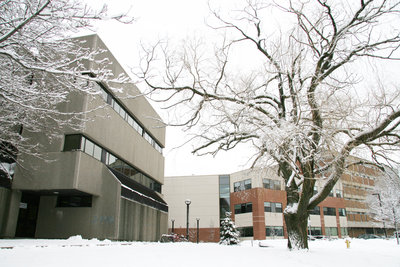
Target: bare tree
{"points": [[41, 66], [304, 108], [384, 200]]}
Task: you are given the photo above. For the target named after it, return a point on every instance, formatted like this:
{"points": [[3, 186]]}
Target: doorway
{"points": [[27, 217]]}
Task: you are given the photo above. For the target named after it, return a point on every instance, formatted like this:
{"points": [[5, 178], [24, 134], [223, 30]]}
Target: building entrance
{"points": [[27, 217]]}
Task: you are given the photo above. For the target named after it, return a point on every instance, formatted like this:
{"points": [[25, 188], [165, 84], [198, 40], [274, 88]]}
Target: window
{"points": [[272, 184], [315, 211], [274, 230], [245, 231], [343, 231], [331, 193], [80, 142], [339, 193], [247, 184], [74, 201], [331, 231], [273, 207], [342, 212], [109, 99], [243, 208], [315, 190], [315, 231], [72, 142], [267, 183], [329, 211], [89, 147], [242, 185]]}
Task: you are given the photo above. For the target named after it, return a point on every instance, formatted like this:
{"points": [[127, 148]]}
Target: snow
{"points": [[76, 251]]}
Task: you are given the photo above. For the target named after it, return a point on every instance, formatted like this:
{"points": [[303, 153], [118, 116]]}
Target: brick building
{"points": [[257, 200]]}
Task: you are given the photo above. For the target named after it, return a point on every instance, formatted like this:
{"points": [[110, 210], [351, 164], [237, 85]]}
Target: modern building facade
{"points": [[256, 200], [101, 181]]}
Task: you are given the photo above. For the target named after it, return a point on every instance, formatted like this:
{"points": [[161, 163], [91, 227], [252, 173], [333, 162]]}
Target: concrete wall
{"points": [[98, 221], [9, 208], [140, 222], [203, 191]]}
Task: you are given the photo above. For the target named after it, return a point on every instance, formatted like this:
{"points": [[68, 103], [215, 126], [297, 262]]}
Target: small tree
{"points": [[384, 200], [229, 233]]}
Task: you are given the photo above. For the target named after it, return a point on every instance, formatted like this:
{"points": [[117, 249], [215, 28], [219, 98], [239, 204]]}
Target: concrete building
{"points": [[103, 181], [257, 200]]}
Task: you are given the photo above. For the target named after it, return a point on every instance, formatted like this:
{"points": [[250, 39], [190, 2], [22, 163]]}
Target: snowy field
{"points": [[76, 251]]}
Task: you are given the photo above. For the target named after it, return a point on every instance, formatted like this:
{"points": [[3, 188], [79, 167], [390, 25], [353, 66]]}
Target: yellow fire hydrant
{"points": [[347, 243]]}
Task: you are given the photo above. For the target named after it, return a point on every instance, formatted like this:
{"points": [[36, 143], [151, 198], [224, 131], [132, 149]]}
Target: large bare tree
{"points": [[305, 103], [41, 66]]}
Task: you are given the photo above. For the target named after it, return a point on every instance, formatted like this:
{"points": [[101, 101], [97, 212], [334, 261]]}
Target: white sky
{"points": [[176, 20]]}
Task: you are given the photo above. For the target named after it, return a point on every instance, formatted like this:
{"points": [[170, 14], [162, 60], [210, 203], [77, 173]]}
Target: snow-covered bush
{"points": [[229, 233]]}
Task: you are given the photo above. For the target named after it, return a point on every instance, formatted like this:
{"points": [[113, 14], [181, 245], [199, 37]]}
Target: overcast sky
{"points": [[176, 20]]}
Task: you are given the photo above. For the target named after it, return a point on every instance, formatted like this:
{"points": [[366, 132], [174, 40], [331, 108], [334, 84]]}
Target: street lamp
{"points": [[172, 221], [380, 204], [187, 202], [198, 220]]}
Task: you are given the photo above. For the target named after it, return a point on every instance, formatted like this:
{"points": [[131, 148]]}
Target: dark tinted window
{"points": [[72, 142], [74, 201]]}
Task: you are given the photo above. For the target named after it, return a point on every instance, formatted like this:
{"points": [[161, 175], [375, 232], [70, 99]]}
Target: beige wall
{"points": [[203, 191]]}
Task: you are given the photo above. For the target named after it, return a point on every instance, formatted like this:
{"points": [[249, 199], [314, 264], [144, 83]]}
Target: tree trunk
{"points": [[296, 225]]}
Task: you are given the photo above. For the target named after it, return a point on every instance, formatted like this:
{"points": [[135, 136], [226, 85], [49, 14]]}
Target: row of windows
{"points": [[74, 201], [278, 231], [242, 185], [245, 231], [274, 231], [272, 207], [243, 208], [80, 142], [271, 184], [114, 103]]}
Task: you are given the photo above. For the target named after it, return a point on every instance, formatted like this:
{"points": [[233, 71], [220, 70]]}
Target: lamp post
{"points": [[380, 204], [198, 220], [173, 222], [187, 202]]}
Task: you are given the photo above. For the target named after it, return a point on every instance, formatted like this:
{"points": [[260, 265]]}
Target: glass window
{"points": [[315, 230], [238, 209], [267, 207], [243, 208], [245, 231], [331, 193], [111, 159], [343, 231], [342, 212], [274, 230], [74, 201], [278, 207], [89, 147], [331, 231], [236, 186], [267, 183], [97, 152], [315, 211], [130, 120], [72, 142], [247, 184], [122, 113], [329, 211], [315, 190], [339, 193]]}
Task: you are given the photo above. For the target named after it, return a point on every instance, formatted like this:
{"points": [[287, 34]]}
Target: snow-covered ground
{"points": [[76, 251]]}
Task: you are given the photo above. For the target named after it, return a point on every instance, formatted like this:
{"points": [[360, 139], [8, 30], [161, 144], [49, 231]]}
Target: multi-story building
{"points": [[358, 181], [102, 181], [256, 200]]}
